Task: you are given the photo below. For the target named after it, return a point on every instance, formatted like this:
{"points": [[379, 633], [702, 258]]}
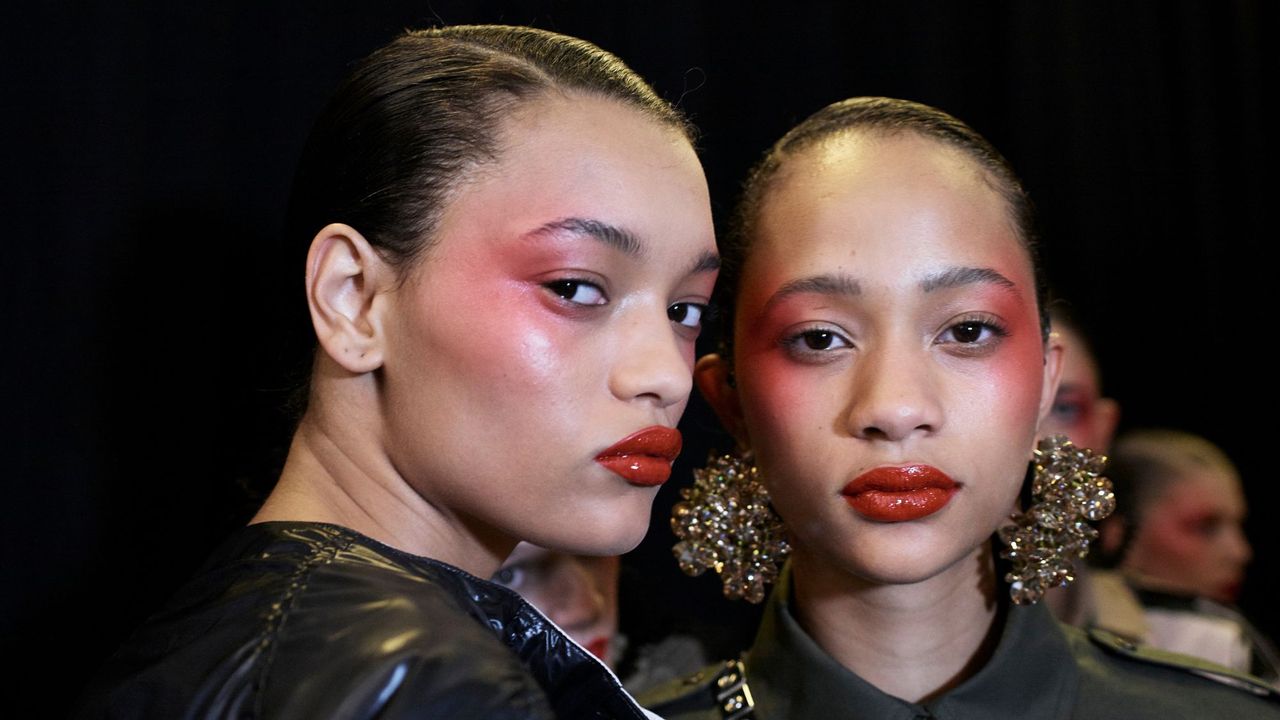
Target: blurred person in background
{"points": [[580, 594], [1178, 540]]}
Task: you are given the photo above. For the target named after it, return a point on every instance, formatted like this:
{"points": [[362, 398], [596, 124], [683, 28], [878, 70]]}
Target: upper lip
{"points": [[655, 441], [899, 478]]}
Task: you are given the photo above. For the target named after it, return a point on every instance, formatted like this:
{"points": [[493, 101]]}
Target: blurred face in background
{"points": [[578, 593], [1079, 411], [1190, 538]]}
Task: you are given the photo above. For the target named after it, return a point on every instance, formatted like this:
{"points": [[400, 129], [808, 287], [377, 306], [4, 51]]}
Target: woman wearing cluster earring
{"points": [[885, 366], [508, 249]]}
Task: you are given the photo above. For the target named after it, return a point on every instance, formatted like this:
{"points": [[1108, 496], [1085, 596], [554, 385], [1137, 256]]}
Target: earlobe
{"points": [[712, 375], [345, 279]]}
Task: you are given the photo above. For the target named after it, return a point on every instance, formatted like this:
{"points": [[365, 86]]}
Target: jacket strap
{"points": [[733, 695]]}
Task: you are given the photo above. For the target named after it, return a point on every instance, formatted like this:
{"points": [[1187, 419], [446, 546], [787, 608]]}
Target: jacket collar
{"points": [[1031, 674]]}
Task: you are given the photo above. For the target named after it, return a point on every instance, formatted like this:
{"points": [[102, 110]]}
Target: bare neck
{"points": [[913, 642], [337, 471]]}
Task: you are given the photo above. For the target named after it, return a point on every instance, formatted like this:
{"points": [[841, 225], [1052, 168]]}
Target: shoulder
{"points": [[371, 627], [716, 691], [1116, 673], [305, 620]]}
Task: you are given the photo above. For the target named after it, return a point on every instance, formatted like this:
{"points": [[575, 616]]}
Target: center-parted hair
{"points": [[876, 116]]}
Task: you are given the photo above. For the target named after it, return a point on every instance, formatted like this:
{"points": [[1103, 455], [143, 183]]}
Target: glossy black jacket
{"points": [[306, 620]]}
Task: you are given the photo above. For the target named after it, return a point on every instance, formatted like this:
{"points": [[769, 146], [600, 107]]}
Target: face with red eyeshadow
{"points": [[554, 315], [1190, 538], [887, 331]]}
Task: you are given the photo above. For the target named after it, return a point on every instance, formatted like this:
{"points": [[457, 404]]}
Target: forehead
{"points": [[565, 154], [1078, 366], [875, 194]]}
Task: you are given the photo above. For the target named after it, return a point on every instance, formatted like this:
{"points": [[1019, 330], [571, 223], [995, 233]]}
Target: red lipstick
{"points": [[899, 494], [643, 458], [599, 647]]}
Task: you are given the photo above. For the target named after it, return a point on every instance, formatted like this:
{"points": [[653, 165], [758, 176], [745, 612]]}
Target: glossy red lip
{"points": [[1229, 592], [599, 647], [643, 458], [899, 494]]}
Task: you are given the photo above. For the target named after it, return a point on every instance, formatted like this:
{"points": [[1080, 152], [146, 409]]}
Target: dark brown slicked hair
{"points": [[874, 116], [415, 117]]}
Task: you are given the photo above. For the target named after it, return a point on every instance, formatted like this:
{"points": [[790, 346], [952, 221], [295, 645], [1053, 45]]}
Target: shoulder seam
{"points": [[322, 554]]}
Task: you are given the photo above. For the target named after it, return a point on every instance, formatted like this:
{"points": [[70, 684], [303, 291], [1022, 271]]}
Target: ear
{"points": [[1106, 415], [1052, 375], [713, 379], [345, 281]]}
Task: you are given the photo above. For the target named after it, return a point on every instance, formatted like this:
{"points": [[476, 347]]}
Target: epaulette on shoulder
{"points": [[722, 686], [1123, 647]]}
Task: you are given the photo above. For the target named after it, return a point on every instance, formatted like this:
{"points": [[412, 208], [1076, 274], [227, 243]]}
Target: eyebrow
{"points": [[848, 286], [959, 276], [611, 235], [826, 284], [622, 240]]}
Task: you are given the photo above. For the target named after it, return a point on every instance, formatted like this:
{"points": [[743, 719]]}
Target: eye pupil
{"points": [[968, 332], [678, 312], [564, 288], [818, 339]]}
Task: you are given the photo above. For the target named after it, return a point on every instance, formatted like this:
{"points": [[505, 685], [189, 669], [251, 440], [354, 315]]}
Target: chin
{"points": [[908, 563], [602, 536]]}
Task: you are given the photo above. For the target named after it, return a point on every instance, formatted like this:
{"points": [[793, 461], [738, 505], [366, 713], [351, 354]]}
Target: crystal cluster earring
{"points": [[725, 522], [1067, 489]]}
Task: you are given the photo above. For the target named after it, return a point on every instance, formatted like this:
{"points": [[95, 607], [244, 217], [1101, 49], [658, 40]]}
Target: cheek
{"points": [[783, 405], [1169, 539]]}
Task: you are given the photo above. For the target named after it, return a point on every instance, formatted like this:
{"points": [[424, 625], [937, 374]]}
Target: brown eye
{"points": [[970, 332], [578, 292], [687, 314], [819, 339]]}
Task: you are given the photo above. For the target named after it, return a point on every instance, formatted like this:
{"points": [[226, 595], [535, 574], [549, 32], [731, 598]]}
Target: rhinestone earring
{"points": [[725, 522], [1067, 490]]}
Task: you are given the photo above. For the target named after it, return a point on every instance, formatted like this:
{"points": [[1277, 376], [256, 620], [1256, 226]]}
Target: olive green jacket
{"points": [[1040, 669]]}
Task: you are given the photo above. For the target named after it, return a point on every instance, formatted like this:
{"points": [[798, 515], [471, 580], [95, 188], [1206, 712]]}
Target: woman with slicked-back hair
{"points": [[508, 251]]}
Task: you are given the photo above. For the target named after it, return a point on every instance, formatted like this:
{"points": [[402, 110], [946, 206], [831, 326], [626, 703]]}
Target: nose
{"points": [[893, 396], [1241, 552], [652, 361], [574, 603]]}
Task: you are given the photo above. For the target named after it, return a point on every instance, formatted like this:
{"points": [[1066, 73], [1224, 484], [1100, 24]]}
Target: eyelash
{"points": [[567, 288], [798, 344], [996, 329]]}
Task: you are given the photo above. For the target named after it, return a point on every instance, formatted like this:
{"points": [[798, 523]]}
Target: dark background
{"points": [[147, 299]]}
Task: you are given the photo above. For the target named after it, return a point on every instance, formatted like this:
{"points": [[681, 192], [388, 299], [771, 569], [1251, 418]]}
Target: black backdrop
{"points": [[149, 148]]}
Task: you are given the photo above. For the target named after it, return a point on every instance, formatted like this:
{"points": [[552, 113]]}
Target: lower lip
{"points": [[899, 506], [643, 458], [599, 647], [1229, 593], [899, 494], [642, 470]]}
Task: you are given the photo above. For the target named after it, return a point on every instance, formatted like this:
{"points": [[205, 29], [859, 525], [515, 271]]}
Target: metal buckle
{"points": [[733, 696]]}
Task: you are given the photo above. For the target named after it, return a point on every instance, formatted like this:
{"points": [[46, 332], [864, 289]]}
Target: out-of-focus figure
{"points": [[1098, 598], [579, 593], [1178, 539], [1080, 411]]}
